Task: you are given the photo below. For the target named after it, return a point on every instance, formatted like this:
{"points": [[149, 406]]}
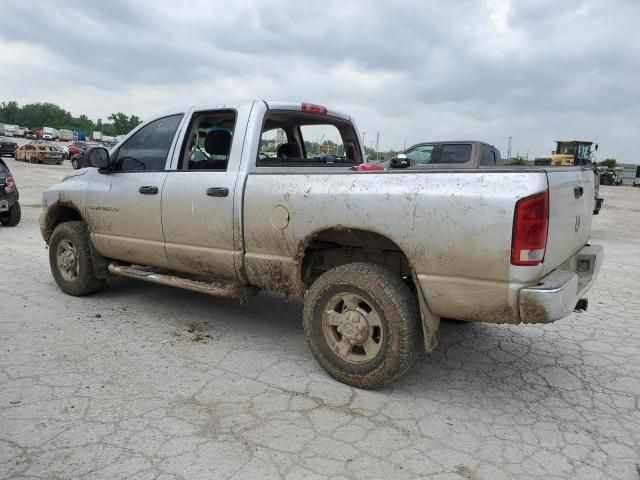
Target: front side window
{"points": [[149, 147], [584, 151], [422, 155]]}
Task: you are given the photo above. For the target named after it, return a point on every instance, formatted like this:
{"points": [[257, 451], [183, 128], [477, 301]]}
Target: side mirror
{"points": [[401, 161], [98, 157], [596, 147]]}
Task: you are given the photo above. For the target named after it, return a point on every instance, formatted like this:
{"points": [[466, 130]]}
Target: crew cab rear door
{"points": [[571, 200], [199, 194]]}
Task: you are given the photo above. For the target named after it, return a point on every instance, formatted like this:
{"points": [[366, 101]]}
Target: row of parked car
{"points": [[37, 151], [44, 152]]}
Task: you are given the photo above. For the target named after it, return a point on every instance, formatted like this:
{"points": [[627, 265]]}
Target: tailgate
{"points": [[571, 200]]}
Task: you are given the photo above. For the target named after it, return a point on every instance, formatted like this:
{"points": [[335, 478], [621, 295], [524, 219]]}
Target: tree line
{"points": [[38, 115]]}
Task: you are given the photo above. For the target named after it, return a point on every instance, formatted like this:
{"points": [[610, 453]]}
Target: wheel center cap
{"points": [[354, 327], [68, 260]]}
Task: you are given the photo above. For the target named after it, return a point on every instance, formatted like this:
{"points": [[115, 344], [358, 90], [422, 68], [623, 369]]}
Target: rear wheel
{"points": [[361, 322], [74, 163], [12, 217], [70, 259]]}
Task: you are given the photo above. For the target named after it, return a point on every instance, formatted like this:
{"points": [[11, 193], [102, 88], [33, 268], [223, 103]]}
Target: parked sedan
{"points": [[75, 148], [7, 147], [39, 153], [76, 153]]}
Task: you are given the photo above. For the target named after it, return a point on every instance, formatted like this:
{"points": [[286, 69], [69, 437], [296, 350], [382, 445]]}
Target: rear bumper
{"points": [[557, 293]]}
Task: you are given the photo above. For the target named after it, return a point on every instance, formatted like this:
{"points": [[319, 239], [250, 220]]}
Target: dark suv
{"points": [[9, 205], [7, 147]]}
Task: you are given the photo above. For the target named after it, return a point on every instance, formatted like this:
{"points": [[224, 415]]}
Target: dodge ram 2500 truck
{"points": [[230, 199]]}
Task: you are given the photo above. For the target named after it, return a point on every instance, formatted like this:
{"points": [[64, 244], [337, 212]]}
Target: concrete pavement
{"points": [[147, 382]]}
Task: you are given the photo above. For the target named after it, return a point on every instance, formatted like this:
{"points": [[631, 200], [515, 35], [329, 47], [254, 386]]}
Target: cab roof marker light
{"points": [[313, 108]]}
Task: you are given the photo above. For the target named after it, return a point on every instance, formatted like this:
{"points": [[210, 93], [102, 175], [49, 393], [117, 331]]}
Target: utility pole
{"points": [[363, 134], [378, 141], [509, 150], [404, 146]]}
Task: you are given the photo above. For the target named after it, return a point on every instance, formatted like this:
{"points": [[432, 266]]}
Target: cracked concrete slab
{"points": [[116, 386]]}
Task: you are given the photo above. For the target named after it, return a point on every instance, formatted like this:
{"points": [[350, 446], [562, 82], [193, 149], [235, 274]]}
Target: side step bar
{"points": [[217, 288]]}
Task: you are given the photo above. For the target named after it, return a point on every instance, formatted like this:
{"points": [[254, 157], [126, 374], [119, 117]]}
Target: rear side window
{"points": [[149, 147], [4, 171], [208, 143], [291, 139], [455, 153]]}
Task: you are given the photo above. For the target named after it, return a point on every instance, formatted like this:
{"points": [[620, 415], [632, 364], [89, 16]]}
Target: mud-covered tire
{"points": [[82, 280], [12, 217], [399, 319]]}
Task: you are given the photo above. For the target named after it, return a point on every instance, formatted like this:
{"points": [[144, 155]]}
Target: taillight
{"points": [[10, 182], [530, 224], [312, 108]]}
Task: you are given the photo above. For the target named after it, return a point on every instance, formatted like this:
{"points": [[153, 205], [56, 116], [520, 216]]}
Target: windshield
{"points": [[566, 148]]}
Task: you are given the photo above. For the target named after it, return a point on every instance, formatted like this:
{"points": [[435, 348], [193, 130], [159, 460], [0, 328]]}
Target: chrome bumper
{"points": [[557, 293]]}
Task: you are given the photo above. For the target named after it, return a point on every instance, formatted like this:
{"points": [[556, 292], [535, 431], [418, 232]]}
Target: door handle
{"points": [[218, 191], [148, 190], [578, 191]]}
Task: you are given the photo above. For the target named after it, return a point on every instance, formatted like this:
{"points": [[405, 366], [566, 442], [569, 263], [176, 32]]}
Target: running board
{"points": [[217, 288]]}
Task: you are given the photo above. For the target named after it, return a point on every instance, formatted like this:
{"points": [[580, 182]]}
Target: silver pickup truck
{"points": [[232, 199]]}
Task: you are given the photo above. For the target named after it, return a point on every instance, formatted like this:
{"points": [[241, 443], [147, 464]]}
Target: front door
{"points": [[198, 197], [124, 209]]}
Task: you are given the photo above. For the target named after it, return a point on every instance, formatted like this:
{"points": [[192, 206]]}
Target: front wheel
{"points": [[12, 217], [74, 163], [70, 260], [361, 322]]}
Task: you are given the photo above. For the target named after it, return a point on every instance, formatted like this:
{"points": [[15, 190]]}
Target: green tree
{"points": [[123, 124], [38, 115], [518, 161], [9, 112], [134, 121], [82, 123], [609, 162], [120, 123]]}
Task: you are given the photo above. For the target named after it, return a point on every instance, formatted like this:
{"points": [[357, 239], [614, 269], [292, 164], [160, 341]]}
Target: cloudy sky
{"points": [[535, 70]]}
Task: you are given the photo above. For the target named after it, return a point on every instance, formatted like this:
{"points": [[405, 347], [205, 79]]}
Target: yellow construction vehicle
{"points": [[575, 152], [572, 152]]}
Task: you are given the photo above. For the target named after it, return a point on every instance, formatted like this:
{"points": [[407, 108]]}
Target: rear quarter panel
{"points": [[455, 228]]}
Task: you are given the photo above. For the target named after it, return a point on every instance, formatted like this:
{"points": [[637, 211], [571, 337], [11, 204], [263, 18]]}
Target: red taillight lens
{"points": [[530, 224], [312, 108], [10, 182]]}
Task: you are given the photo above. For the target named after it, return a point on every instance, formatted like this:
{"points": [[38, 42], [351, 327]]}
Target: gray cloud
{"points": [[533, 70]]}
